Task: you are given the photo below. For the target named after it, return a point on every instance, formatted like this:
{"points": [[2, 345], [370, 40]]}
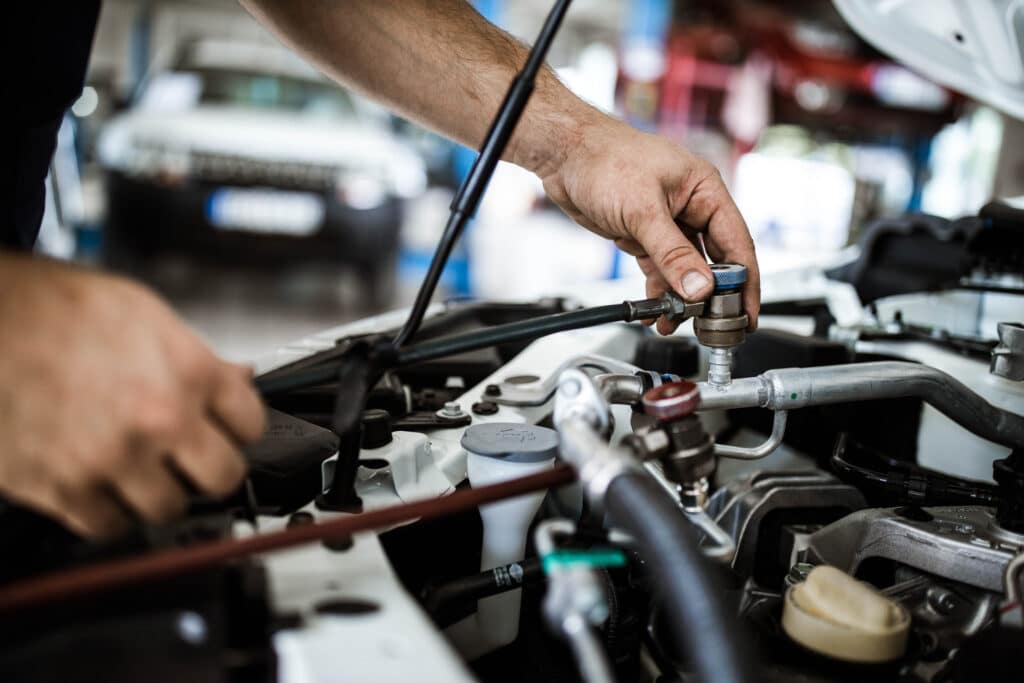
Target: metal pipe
{"points": [[747, 392], [575, 603], [620, 389], [792, 388], [774, 440], [721, 548], [590, 657], [1011, 578]]}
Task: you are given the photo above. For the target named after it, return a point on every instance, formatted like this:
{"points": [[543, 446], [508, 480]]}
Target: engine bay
{"points": [[804, 476], [548, 491]]}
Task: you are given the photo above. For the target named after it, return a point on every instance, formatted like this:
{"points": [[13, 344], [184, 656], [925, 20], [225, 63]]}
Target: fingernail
{"points": [[694, 284]]}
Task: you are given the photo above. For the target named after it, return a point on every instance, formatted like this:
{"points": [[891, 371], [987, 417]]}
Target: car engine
{"points": [[778, 505], [548, 491]]}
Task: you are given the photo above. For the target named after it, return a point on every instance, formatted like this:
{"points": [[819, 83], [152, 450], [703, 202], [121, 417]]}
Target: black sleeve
{"points": [[47, 46]]}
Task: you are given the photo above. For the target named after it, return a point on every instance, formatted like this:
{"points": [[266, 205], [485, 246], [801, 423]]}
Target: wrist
{"points": [[554, 126]]}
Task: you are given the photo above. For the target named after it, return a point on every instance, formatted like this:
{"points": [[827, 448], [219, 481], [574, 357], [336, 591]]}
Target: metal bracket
{"points": [[539, 391]]}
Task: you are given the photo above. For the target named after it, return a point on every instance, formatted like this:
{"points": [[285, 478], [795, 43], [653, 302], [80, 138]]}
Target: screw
{"points": [[798, 573], [299, 518], [492, 390], [941, 601], [452, 409]]}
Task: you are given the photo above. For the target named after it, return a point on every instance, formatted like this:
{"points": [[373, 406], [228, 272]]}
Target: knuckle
{"points": [[106, 522], [639, 216], [228, 475], [705, 170], [168, 506], [196, 366], [159, 417], [677, 256], [93, 466]]}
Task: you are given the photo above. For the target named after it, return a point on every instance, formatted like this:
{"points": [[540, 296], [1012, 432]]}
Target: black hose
{"points": [[713, 641], [887, 481], [283, 381], [513, 332], [439, 601]]}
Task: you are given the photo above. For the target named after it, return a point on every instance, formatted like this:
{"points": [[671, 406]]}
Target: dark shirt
{"points": [[48, 46]]}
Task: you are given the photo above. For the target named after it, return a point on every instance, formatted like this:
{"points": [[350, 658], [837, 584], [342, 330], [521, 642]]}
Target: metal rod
{"points": [[163, 564], [467, 200]]}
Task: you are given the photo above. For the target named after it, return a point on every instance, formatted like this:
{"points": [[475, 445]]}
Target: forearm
{"points": [[437, 62]]}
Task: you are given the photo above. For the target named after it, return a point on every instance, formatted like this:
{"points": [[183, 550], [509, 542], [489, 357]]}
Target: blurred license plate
{"points": [[266, 211]]}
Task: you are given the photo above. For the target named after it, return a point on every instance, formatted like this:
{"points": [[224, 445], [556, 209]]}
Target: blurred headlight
{"points": [[409, 179], [361, 190], [155, 161]]}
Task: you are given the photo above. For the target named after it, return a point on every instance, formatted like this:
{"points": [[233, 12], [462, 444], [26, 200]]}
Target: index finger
{"points": [[711, 210]]}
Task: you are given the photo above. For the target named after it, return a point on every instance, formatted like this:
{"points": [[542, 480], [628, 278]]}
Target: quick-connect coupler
{"points": [[722, 325]]}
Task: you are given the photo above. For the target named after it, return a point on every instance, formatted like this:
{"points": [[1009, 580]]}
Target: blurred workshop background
{"points": [[268, 203]]}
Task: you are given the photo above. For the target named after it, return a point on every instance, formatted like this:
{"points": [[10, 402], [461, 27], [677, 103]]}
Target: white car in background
{"points": [[242, 153]]}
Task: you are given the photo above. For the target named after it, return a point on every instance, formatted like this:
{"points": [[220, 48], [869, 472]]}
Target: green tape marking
{"points": [[593, 557]]}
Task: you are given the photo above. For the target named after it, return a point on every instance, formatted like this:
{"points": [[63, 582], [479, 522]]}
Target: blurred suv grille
{"points": [[227, 169]]}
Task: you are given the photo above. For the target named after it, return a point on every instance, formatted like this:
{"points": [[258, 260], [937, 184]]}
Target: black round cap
{"points": [[376, 428]]}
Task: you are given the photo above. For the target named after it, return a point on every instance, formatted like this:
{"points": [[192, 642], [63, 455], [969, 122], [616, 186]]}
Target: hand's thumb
{"points": [[678, 260]]}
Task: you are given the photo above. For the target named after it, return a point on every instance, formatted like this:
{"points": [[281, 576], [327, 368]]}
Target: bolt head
{"points": [[570, 388]]}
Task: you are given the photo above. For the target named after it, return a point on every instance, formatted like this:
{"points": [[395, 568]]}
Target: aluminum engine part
{"points": [[530, 390], [944, 613], [792, 388], [741, 505], [961, 543]]}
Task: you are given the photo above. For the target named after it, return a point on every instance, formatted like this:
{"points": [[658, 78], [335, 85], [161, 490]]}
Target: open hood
{"points": [[973, 46]]}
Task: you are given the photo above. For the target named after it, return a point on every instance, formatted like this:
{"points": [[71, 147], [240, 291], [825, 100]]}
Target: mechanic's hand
{"points": [[109, 403], [656, 201]]}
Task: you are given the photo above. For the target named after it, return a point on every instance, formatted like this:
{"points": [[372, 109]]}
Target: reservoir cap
{"points": [[511, 441]]}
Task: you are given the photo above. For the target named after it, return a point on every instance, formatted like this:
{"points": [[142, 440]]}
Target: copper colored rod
{"points": [[162, 564]]}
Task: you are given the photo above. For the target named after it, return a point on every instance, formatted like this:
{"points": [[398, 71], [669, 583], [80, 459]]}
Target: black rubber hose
{"points": [[446, 597], [512, 332], [713, 641]]}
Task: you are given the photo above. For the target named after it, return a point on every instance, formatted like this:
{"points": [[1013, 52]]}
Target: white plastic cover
{"points": [[973, 46]]}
